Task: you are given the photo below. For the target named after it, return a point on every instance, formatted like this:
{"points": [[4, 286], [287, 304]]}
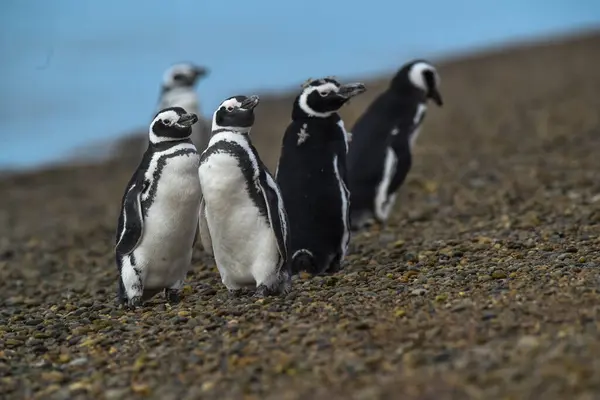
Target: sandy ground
{"points": [[484, 285]]}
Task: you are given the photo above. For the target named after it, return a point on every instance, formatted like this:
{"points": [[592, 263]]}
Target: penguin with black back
{"points": [[158, 222], [311, 174], [243, 221], [379, 157]]}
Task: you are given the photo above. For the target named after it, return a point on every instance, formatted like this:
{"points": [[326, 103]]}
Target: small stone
{"points": [[78, 362], [53, 376], [484, 278], [140, 388], [528, 342], [499, 274], [47, 391], [399, 243], [441, 297], [64, 358], [84, 386], [399, 313], [410, 274], [116, 394], [418, 292]]}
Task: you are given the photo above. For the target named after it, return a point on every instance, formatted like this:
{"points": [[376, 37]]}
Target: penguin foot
{"points": [[334, 267], [261, 291], [284, 285], [173, 296], [120, 300], [134, 302]]}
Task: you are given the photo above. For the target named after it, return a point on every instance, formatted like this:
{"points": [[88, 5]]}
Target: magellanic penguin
{"points": [[379, 157], [243, 221], [312, 176], [158, 223], [178, 89]]}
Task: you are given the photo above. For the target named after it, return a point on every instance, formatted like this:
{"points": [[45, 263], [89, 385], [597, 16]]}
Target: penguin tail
{"points": [[303, 260]]}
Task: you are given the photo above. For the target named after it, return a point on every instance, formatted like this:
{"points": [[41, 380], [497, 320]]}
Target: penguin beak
{"points": [[187, 120], [201, 72], [351, 90], [435, 95], [250, 102]]}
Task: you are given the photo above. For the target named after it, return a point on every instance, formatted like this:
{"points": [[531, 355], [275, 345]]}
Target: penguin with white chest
{"points": [[312, 176], [379, 157], [243, 221], [158, 223], [178, 89]]}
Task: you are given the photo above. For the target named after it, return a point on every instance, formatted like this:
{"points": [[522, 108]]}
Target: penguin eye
{"points": [[324, 93], [167, 122], [229, 108]]}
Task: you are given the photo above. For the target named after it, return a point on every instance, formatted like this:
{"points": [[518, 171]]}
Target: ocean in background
{"points": [[75, 72]]}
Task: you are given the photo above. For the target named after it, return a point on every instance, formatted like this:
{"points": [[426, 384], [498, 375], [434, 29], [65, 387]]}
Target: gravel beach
{"points": [[484, 285]]}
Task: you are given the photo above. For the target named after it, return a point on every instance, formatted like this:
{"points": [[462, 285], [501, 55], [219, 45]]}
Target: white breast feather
{"points": [[382, 209], [344, 199]]}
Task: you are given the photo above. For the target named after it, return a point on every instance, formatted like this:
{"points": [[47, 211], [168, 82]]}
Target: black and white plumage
{"points": [[158, 223], [243, 221], [379, 157], [178, 89], [312, 176]]}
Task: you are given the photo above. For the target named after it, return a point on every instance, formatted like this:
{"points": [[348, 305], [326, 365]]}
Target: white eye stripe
{"points": [[167, 117], [416, 74], [230, 104], [323, 89]]}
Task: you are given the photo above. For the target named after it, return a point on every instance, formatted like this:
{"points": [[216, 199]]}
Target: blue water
{"points": [[77, 71]]}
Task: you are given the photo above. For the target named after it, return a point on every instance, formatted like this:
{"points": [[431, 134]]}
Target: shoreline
{"points": [[80, 156]]}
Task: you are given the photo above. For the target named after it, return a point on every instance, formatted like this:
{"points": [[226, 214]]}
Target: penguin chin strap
{"points": [[216, 128]]}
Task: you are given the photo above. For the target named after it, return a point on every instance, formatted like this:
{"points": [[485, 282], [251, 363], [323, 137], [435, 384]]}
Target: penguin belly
{"points": [[165, 251], [244, 245]]}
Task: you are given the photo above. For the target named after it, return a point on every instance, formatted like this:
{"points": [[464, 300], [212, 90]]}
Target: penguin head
{"points": [[183, 75], [419, 75], [235, 114], [323, 97], [172, 123]]}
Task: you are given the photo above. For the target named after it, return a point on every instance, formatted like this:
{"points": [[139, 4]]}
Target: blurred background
{"points": [[79, 74]]}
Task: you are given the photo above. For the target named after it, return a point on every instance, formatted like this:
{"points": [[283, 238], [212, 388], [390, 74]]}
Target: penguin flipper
{"points": [[132, 220], [205, 237], [278, 219], [403, 164]]}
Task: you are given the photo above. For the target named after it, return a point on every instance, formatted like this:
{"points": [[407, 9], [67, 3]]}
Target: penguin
{"points": [[311, 174], [158, 222], [243, 221], [379, 157], [178, 90]]}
